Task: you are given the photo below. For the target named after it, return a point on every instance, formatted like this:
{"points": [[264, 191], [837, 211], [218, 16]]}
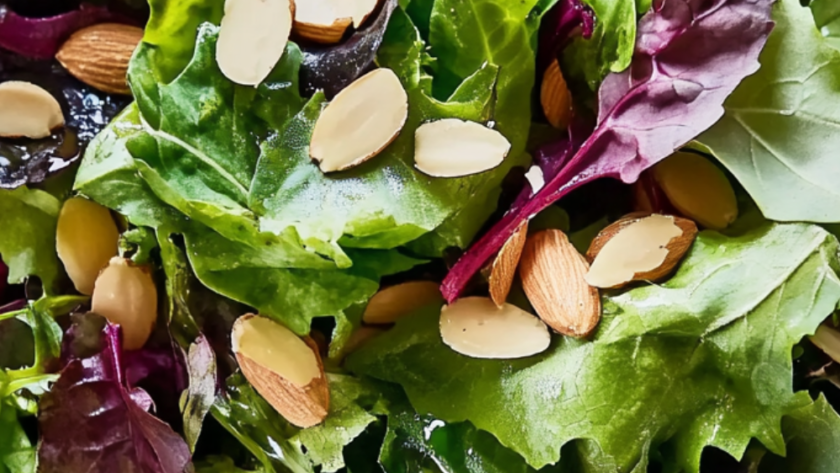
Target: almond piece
{"points": [[86, 239], [325, 21], [697, 189], [476, 327], [555, 98], [360, 121], [252, 38], [504, 265], [552, 273], [126, 295], [638, 248], [393, 302], [452, 148], [99, 55], [284, 369], [27, 110], [827, 339]]}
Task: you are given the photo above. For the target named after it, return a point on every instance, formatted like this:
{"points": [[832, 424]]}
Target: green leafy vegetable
{"points": [[697, 361], [17, 454], [827, 16], [27, 244], [812, 434]]}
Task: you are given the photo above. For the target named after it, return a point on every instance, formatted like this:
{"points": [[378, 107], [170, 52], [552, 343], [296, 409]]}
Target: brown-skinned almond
{"points": [[552, 273], [555, 98], [326, 21], [98, 55], [639, 247], [285, 369], [503, 268]]}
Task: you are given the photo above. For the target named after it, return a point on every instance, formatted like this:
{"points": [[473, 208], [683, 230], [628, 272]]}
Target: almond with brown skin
{"points": [[98, 55], [555, 98], [284, 369], [326, 21], [552, 273], [503, 269], [638, 247]]}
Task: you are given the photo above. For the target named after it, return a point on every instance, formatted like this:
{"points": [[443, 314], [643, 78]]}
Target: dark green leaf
{"points": [[812, 434]]}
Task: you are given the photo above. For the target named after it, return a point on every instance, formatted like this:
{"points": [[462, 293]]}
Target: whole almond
{"points": [[552, 273], [683, 230], [98, 55], [555, 98], [503, 268]]}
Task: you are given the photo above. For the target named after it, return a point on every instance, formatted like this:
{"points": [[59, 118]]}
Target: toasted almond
{"points": [[285, 369], [555, 98], [697, 189], [98, 55], [476, 327], [86, 239], [638, 247], [325, 21], [453, 148], [552, 273], [252, 38], [126, 295], [827, 339], [360, 121], [393, 302], [504, 265], [27, 110]]}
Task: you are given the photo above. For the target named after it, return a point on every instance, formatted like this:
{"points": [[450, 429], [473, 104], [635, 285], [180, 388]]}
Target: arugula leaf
{"points": [[697, 361], [779, 133], [28, 246], [827, 16], [812, 434]]}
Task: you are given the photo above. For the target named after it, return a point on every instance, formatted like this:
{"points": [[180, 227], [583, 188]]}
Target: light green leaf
{"points": [[812, 434], [697, 361], [779, 135], [827, 17], [27, 244], [17, 454]]}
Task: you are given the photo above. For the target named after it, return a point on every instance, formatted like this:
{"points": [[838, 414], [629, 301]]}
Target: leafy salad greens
{"points": [[387, 318]]}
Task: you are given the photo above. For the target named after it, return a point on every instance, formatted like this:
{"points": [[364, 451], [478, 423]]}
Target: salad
{"points": [[457, 236]]}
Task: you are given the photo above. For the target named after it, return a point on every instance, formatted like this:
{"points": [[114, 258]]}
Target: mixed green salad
{"points": [[457, 236]]}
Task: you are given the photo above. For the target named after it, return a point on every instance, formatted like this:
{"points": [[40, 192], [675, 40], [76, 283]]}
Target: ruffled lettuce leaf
{"points": [[812, 434], [779, 133], [17, 454], [698, 361], [27, 244]]}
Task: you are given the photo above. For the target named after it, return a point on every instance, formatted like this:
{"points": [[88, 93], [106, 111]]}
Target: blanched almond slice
{"points": [[827, 339], [535, 178], [27, 110], [504, 265], [476, 327], [285, 369], [454, 148], [391, 303], [252, 38], [638, 249], [325, 21], [360, 121]]}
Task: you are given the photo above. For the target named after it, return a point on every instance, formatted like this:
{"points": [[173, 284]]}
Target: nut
{"points": [[285, 369], [454, 148], [98, 55], [325, 21], [252, 38], [827, 339], [555, 98], [360, 121], [391, 303], [27, 110], [86, 239], [697, 189], [503, 269], [126, 295], [476, 327], [552, 273], [638, 248]]}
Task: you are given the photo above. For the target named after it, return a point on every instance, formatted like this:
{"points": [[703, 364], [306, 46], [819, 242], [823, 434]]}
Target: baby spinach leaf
{"points": [[697, 361]]}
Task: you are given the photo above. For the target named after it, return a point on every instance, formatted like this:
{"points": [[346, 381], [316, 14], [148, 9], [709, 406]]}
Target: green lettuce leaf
{"points": [[812, 434], [697, 361], [827, 17], [779, 133], [17, 454], [27, 244]]}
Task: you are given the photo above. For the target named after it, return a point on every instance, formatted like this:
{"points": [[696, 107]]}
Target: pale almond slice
{"points": [[552, 273], [827, 339], [326, 21], [391, 303], [555, 98], [454, 148], [535, 178], [476, 327], [27, 110], [252, 38], [360, 121], [504, 265], [638, 248], [284, 369], [126, 295]]}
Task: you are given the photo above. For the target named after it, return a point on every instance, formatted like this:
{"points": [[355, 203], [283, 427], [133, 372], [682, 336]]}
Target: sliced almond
{"points": [[555, 98], [99, 55], [476, 327], [27, 110], [827, 339], [360, 121], [325, 21], [252, 38], [638, 248], [454, 148], [535, 178], [391, 303], [126, 295], [504, 265], [284, 369], [697, 189], [552, 273]]}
